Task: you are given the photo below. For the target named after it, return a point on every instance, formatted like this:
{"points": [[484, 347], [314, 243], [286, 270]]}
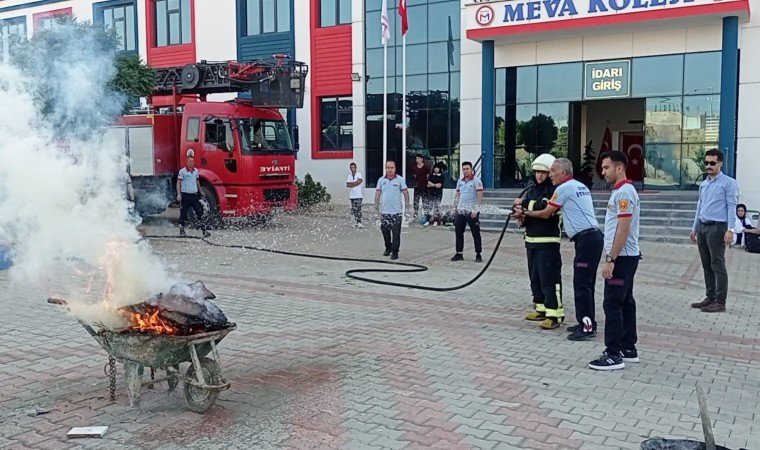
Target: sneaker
{"points": [[394, 255], [386, 253], [714, 308], [206, 234], [702, 304], [182, 232], [435, 224], [457, 257], [359, 225], [426, 224], [607, 362], [535, 316], [478, 258], [550, 323], [630, 356], [574, 328], [580, 335]]}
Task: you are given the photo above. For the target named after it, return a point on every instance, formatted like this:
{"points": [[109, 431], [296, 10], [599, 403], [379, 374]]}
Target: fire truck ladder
{"points": [[277, 82]]}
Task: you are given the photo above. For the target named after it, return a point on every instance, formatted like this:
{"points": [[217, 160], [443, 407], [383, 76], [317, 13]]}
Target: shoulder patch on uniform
{"points": [[623, 205], [554, 197]]}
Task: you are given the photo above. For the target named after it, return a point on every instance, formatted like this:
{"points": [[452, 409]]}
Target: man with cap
{"points": [[573, 198], [542, 240]]}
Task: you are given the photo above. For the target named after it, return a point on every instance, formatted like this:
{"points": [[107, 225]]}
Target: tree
{"points": [[587, 168], [538, 134], [69, 64]]}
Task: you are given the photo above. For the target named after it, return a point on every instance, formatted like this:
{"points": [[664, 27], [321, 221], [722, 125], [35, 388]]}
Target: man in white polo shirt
{"points": [[389, 206], [467, 200], [621, 243], [573, 198], [189, 195], [355, 195]]}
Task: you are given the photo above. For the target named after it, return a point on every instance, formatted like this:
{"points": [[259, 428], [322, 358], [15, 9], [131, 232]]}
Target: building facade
{"points": [[492, 82], [661, 81]]}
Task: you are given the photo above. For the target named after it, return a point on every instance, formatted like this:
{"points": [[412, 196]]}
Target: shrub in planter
{"points": [[311, 193]]}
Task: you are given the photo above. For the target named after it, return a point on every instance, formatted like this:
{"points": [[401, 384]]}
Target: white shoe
{"points": [[359, 225], [426, 224]]}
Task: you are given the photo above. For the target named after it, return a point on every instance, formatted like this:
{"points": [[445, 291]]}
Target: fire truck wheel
{"points": [[210, 209]]}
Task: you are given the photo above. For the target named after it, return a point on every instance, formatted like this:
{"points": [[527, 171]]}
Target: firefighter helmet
{"points": [[543, 162]]}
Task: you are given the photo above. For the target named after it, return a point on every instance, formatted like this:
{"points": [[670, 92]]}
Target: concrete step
{"points": [[660, 196], [602, 203], [650, 229]]}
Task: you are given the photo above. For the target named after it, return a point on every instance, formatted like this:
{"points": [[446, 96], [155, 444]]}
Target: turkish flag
{"points": [[605, 148], [404, 18], [633, 146]]}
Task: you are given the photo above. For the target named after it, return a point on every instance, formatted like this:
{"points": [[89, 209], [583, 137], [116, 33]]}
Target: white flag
{"points": [[385, 25]]}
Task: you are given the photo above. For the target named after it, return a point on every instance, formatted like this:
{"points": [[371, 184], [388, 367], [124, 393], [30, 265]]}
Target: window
{"points": [[701, 73], [334, 12], [122, 19], [657, 76], [193, 129], [173, 22], [336, 123], [11, 31], [265, 136], [432, 86], [560, 82], [267, 16], [47, 20]]}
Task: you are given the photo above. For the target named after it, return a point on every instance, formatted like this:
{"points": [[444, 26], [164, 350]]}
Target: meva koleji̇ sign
{"points": [[540, 15]]}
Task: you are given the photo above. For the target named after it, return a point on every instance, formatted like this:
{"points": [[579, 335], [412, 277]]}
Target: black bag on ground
{"points": [[752, 242]]}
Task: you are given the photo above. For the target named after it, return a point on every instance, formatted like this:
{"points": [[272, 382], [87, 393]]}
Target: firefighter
{"points": [[542, 243]]}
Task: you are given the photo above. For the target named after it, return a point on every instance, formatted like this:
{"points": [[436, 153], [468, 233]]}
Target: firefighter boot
{"points": [[550, 323], [538, 313]]}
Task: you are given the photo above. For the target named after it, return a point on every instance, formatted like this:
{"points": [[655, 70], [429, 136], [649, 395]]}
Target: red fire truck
{"points": [[242, 148]]}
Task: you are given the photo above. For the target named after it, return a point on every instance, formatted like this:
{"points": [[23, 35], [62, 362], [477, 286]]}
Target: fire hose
{"points": [[352, 273]]}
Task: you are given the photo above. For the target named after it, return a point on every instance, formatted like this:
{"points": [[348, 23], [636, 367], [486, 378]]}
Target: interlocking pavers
{"points": [[320, 361]]}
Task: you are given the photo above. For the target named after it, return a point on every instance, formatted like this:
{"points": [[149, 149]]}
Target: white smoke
{"points": [[64, 213]]}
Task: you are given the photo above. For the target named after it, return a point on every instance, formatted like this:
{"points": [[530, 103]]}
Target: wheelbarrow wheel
{"points": [[198, 399], [174, 381]]}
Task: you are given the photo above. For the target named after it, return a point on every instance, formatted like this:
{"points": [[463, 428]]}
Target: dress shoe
{"points": [[714, 308], [702, 304]]}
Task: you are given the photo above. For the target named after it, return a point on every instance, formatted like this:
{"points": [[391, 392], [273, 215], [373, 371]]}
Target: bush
{"points": [[311, 193]]}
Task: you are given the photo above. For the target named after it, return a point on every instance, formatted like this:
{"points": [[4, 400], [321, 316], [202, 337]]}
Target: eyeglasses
{"points": [[711, 163]]}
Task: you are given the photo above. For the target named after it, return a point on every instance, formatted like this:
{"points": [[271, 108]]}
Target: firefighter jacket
{"points": [[541, 231]]}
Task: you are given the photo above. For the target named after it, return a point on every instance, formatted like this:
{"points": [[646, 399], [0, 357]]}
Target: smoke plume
{"points": [[63, 206]]}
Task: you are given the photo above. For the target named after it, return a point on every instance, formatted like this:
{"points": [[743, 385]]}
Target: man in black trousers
{"points": [[467, 201]]}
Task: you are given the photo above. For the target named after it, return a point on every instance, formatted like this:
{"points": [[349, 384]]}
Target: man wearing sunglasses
{"points": [[716, 209]]}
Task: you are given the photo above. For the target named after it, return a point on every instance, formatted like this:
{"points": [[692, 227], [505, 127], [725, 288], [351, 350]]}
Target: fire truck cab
{"points": [[242, 148]]}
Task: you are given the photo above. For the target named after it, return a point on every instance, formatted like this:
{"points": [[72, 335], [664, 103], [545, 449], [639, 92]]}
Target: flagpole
{"points": [[448, 69], [403, 106], [385, 103]]}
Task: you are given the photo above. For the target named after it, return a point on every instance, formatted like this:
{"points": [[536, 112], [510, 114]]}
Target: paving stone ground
{"points": [[320, 361]]}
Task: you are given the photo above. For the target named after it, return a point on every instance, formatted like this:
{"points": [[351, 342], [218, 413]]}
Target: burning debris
{"points": [[184, 310]]}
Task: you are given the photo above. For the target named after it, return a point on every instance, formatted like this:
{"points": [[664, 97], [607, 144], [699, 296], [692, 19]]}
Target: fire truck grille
{"points": [[276, 195]]}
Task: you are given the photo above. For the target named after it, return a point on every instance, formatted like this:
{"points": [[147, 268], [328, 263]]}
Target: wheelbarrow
{"points": [[202, 381]]}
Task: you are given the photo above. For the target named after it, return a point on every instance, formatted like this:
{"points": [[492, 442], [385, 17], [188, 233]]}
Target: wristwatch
{"points": [[609, 259]]}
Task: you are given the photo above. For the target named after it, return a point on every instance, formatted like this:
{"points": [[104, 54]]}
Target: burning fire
{"points": [[150, 321]]}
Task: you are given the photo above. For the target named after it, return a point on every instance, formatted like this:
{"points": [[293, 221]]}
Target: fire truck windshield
{"points": [[265, 136]]}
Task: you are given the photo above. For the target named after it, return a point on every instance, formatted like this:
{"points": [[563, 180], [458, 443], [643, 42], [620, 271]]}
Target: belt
{"points": [[709, 223], [583, 233]]}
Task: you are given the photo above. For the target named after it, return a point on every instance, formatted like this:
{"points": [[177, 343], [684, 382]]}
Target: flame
{"points": [[151, 321]]}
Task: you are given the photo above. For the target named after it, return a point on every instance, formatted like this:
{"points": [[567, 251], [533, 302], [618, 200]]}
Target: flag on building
{"points": [[385, 26], [605, 148], [451, 44], [404, 17]]}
